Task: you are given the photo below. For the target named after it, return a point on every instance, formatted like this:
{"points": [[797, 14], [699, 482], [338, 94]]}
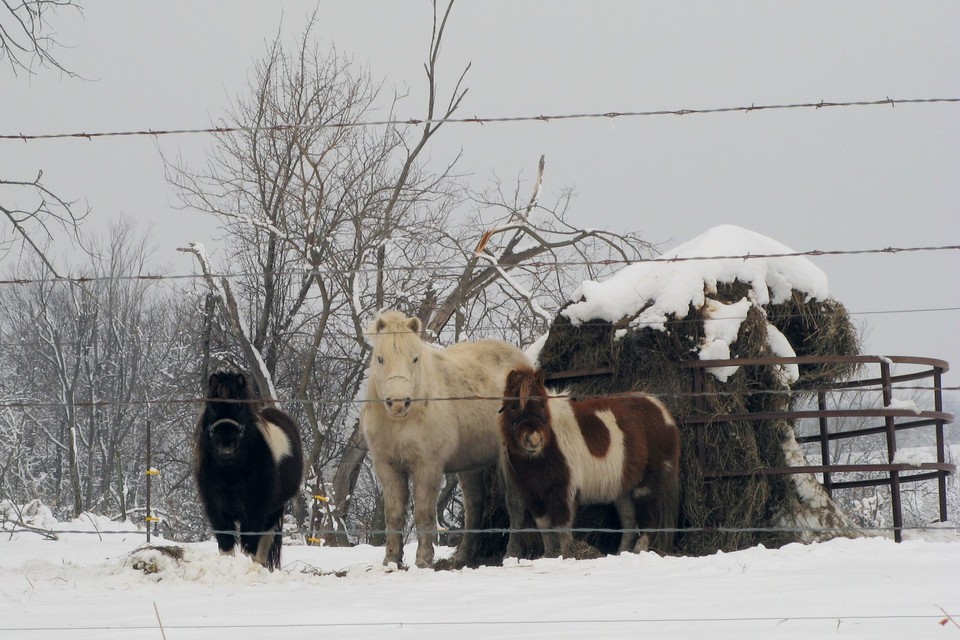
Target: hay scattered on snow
{"points": [[153, 559]]}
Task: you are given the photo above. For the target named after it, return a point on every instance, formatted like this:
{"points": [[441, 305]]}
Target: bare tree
{"points": [[504, 276], [87, 358], [303, 187], [313, 204], [328, 221]]}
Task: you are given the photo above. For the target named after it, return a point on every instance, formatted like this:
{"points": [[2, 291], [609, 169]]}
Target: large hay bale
{"points": [[648, 346]]}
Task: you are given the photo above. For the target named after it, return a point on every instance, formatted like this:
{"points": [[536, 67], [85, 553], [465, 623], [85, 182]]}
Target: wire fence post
{"points": [[149, 482], [150, 519]]}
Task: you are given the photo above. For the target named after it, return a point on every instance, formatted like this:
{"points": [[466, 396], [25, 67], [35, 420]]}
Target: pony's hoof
{"points": [[513, 551], [390, 566], [643, 544], [461, 562]]}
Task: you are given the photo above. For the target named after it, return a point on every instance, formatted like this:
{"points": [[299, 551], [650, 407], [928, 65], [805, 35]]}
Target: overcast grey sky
{"points": [[831, 179]]}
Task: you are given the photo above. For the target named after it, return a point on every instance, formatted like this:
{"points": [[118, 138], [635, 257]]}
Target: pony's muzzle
{"points": [[533, 443], [226, 449], [226, 435], [396, 407]]}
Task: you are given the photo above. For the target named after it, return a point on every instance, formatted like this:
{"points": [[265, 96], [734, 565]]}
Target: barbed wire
{"points": [[457, 269], [487, 330], [578, 396], [367, 532], [608, 115], [487, 622]]}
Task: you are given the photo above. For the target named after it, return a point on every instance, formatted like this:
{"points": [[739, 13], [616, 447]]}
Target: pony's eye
{"points": [[416, 360], [380, 359]]}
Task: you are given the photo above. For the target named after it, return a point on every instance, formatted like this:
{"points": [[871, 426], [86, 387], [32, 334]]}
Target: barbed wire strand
{"points": [[368, 532], [487, 330], [456, 269], [608, 115], [578, 396], [489, 623]]}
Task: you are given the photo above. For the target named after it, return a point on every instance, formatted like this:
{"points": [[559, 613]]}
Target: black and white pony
{"points": [[249, 463]]}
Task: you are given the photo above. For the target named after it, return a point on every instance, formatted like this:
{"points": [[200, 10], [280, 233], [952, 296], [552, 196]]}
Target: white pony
{"points": [[415, 433]]}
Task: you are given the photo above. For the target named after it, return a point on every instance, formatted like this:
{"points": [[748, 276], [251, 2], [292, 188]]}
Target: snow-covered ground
{"points": [[92, 585]]}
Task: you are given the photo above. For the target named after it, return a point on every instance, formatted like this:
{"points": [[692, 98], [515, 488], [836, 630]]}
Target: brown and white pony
{"points": [[559, 453], [416, 434]]}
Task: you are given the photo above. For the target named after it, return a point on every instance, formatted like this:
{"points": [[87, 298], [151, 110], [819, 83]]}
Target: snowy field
{"points": [[96, 586]]}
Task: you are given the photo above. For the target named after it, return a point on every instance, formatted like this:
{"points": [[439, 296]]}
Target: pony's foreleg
{"points": [[396, 493], [471, 483], [426, 490], [556, 541], [628, 521], [226, 543], [516, 508], [555, 524], [224, 528]]}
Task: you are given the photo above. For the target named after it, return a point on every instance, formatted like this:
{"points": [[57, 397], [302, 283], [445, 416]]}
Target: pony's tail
{"points": [[276, 544], [669, 512], [273, 556]]}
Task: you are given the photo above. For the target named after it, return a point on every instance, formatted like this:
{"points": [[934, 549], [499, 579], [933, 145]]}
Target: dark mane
{"points": [[229, 393], [525, 384]]}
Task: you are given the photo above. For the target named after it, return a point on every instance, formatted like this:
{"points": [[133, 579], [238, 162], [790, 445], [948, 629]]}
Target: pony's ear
{"points": [[379, 325], [415, 325]]}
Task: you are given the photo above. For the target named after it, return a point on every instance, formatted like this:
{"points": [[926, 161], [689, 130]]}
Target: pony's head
{"points": [[396, 371], [525, 417], [228, 413]]}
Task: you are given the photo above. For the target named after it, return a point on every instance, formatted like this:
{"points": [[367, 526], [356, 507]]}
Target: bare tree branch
{"points": [[26, 34], [224, 291], [33, 220]]}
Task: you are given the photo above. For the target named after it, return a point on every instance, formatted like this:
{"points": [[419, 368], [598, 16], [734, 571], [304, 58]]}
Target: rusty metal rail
{"points": [[897, 473]]}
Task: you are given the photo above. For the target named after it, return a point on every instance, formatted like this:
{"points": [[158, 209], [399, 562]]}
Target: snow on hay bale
{"points": [[650, 318]]}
